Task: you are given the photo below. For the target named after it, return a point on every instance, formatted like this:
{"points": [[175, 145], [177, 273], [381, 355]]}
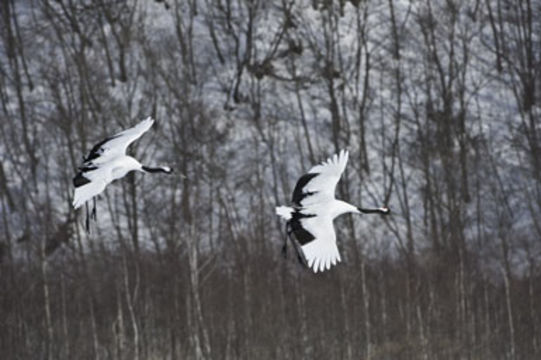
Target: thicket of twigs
{"points": [[438, 103]]}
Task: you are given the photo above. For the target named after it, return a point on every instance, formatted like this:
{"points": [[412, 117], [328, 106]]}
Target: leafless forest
{"points": [[438, 102]]}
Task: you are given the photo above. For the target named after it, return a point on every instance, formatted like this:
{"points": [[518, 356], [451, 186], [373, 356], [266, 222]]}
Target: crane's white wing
{"points": [[117, 144], [319, 184], [317, 240], [88, 191]]}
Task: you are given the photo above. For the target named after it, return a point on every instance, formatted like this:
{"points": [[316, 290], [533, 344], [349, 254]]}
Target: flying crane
{"points": [[107, 161], [310, 219]]}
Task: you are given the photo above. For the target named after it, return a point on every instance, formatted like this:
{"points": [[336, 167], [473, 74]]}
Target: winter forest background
{"points": [[438, 102]]}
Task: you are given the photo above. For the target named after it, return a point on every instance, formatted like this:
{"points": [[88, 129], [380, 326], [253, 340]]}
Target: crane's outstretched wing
{"points": [[319, 184], [117, 144], [87, 191], [317, 239]]}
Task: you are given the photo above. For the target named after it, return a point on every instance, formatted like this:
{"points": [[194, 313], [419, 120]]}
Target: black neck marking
{"points": [[373, 211], [155, 170]]}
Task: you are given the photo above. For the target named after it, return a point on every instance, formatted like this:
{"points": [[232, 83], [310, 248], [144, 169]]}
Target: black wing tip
{"points": [[298, 193], [95, 151], [161, 169]]}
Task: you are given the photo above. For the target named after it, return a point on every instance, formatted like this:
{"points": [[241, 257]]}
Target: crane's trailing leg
{"points": [[284, 247], [300, 258], [286, 213], [90, 214], [93, 215], [87, 220], [296, 246]]}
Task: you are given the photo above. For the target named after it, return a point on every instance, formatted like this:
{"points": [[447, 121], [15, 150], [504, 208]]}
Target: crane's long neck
{"points": [[162, 169], [341, 207], [381, 210]]}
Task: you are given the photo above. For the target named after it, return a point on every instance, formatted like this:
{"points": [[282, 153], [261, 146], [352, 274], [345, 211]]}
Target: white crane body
{"points": [[310, 220], [107, 162]]}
